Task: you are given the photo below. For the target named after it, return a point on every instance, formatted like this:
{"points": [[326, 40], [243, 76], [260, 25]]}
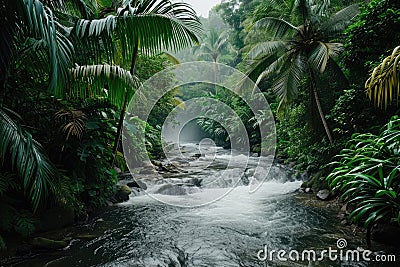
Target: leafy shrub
{"points": [[367, 174]]}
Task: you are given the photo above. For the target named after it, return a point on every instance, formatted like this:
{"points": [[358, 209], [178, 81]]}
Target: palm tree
{"points": [[31, 38], [150, 25], [383, 86], [294, 52], [214, 46]]}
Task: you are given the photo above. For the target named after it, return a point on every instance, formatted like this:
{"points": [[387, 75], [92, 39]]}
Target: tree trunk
{"points": [[321, 113], [125, 105], [215, 75]]}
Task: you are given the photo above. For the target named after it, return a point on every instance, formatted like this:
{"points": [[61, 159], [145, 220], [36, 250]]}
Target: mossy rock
{"points": [[122, 193], [48, 244]]}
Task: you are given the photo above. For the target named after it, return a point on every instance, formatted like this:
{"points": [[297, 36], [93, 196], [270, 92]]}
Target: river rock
{"points": [[170, 168], [196, 182], [192, 181], [137, 184], [323, 194], [171, 189], [48, 244], [197, 155], [308, 190], [125, 176], [122, 193]]}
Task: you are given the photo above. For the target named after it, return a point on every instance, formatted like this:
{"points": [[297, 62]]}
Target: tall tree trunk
{"points": [[125, 105], [321, 113], [215, 75]]}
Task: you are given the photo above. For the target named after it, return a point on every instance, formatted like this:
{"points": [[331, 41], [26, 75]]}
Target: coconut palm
{"points": [[213, 48], [293, 53], [383, 86]]}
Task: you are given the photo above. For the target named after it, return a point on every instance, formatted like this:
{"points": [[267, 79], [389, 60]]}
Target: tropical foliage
{"points": [[214, 47], [367, 175], [295, 52], [383, 87], [68, 67]]}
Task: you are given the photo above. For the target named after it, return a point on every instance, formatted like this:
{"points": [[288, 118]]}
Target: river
{"points": [[232, 231]]}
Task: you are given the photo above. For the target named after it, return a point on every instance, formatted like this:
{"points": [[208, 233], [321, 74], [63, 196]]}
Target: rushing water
{"points": [[227, 232]]}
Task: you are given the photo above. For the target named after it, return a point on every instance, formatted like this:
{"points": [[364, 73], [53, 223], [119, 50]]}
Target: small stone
{"points": [[308, 190], [197, 155], [323, 194]]}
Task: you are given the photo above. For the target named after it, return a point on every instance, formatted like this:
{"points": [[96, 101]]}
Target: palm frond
{"points": [[158, 25], [287, 83], [302, 8], [266, 49], [278, 29], [38, 22], [274, 67], [338, 23], [102, 81], [319, 56], [28, 159], [74, 122], [383, 86], [171, 58]]}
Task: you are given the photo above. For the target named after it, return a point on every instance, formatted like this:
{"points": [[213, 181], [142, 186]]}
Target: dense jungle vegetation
{"points": [[329, 68]]}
